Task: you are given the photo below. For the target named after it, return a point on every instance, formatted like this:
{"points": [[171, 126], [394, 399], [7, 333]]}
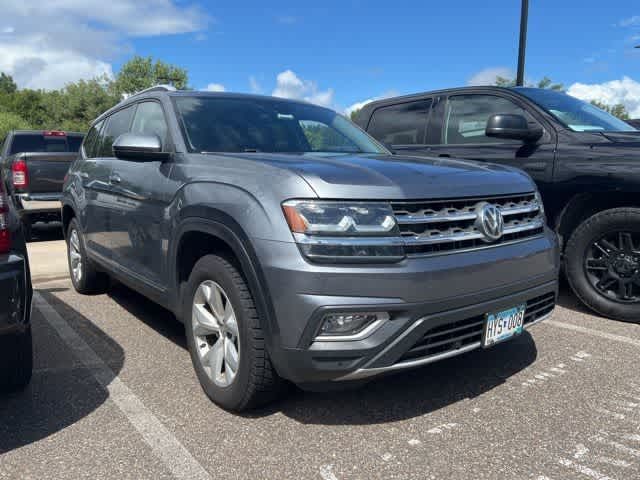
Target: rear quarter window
{"points": [[402, 124]]}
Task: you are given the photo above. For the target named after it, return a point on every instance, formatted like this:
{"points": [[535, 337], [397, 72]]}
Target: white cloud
{"points": [[488, 76], [359, 105], [625, 91], [631, 21], [49, 44], [289, 85], [254, 85], [215, 87]]}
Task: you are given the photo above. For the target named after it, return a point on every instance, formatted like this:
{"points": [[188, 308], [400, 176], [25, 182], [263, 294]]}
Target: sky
{"points": [[339, 54]]}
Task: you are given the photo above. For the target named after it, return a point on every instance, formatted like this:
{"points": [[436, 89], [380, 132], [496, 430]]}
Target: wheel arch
{"points": [[219, 233], [68, 213], [584, 205]]}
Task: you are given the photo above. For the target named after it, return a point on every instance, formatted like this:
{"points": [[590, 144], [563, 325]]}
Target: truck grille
{"points": [[449, 225], [456, 335]]}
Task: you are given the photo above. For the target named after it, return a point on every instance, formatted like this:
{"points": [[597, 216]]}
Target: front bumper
{"points": [[15, 300], [420, 294]]}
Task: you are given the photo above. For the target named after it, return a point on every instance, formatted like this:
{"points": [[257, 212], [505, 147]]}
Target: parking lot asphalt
{"points": [[114, 396]]}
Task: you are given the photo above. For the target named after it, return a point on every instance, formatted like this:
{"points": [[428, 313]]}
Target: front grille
{"points": [[456, 335], [429, 227]]}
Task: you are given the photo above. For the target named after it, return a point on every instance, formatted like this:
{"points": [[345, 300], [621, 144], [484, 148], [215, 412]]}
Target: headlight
{"points": [[344, 231], [337, 218]]}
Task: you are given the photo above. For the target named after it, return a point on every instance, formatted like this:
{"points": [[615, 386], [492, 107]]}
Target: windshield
{"points": [[219, 124], [579, 116]]}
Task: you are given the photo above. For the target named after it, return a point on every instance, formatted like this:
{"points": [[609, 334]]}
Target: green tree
{"points": [[617, 110], [546, 83], [354, 114], [7, 85], [143, 72], [10, 121]]}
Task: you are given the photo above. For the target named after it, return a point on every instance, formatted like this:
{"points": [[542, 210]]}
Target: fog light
{"points": [[350, 325]]}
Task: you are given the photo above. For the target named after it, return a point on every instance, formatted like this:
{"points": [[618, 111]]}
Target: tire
{"points": [[583, 278], [89, 280], [16, 361], [255, 381]]}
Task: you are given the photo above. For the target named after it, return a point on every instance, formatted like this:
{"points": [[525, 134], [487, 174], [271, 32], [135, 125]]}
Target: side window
{"points": [[89, 143], [117, 124], [149, 120], [403, 124], [466, 118]]}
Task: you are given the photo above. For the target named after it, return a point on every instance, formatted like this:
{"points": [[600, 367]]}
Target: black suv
{"points": [[15, 300], [585, 162]]}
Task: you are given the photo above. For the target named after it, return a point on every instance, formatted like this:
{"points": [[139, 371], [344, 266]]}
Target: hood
{"points": [[397, 177]]}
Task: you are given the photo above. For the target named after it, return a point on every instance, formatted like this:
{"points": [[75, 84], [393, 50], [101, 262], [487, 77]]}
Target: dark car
{"points": [[585, 162], [293, 245], [15, 301], [33, 165], [634, 123]]}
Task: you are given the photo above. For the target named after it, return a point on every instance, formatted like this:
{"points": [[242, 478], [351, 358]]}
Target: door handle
{"points": [[115, 178], [444, 155]]}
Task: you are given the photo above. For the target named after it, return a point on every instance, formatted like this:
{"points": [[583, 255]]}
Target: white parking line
{"points": [[164, 445], [590, 331]]}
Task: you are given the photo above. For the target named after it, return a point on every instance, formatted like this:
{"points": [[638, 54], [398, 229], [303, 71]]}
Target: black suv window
{"points": [[149, 120], [117, 124], [90, 140], [403, 124], [466, 118]]}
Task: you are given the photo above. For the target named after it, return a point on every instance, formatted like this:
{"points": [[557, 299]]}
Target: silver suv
{"points": [[294, 246]]}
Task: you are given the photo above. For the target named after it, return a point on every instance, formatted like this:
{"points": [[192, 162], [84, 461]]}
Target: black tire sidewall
{"points": [[214, 268], [592, 229], [79, 286]]}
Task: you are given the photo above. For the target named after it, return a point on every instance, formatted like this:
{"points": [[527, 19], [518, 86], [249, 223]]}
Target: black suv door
{"points": [[457, 129]]}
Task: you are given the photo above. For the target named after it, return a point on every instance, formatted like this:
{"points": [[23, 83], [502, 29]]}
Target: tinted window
{"points": [[149, 120], [403, 124], [214, 124], [117, 124], [466, 118], [90, 140], [37, 142]]}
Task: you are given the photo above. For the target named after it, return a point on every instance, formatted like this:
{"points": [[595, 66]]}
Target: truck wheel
{"points": [[602, 262], [86, 278], [225, 338], [16, 361]]}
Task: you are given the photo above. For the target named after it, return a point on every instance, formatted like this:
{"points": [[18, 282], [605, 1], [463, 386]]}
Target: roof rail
{"points": [[155, 88]]}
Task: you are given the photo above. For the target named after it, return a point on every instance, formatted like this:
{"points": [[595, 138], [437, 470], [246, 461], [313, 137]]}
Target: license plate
{"points": [[501, 326]]}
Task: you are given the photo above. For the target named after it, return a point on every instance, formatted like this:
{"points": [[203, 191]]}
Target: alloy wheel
{"points": [[75, 257], [612, 265], [216, 335]]}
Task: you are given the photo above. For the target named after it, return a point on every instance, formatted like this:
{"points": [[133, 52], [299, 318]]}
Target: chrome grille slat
{"points": [[438, 226]]}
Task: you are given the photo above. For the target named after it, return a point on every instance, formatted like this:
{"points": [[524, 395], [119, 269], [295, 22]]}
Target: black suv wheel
{"points": [[602, 261], [85, 277]]}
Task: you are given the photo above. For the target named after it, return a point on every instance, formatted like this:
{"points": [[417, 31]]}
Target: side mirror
{"points": [[140, 148], [513, 127]]}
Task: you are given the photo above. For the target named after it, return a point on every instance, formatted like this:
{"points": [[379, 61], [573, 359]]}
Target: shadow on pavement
{"points": [[392, 398], [46, 232], [62, 391]]}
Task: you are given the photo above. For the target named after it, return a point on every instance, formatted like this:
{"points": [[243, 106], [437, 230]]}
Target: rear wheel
{"points": [[602, 261], [86, 278], [16, 361], [225, 337]]}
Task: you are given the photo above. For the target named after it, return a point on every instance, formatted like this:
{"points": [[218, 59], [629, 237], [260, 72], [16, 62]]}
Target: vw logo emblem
{"points": [[489, 222]]}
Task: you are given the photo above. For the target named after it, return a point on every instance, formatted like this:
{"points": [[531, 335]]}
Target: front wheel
{"points": [[85, 277], [225, 337], [602, 262]]}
